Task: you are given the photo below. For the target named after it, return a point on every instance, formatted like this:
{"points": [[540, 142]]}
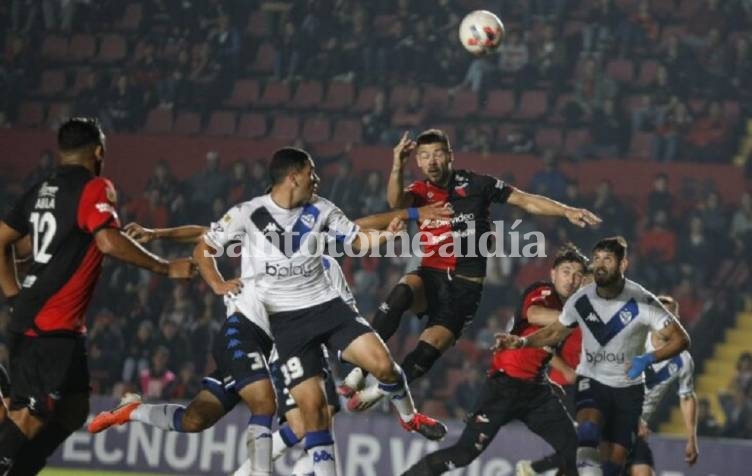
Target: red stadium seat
{"points": [[464, 104], [31, 114], [339, 96], [317, 129], [400, 95], [159, 121], [58, 112], [286, 127], [81, 48], [436, 99], [187, 123], [258, 25], [641, 144], [499, 104], [112, 49], [54, 47], [621, 70], [222, 123], [276, 93], [244, 93], [131, 17], [52, 82], [548, 138], [264, 62], [308, 95], [252, 125], [648, 71], [533, 105], [348, 131], [450, 130], [576, 138], [365, 99]]}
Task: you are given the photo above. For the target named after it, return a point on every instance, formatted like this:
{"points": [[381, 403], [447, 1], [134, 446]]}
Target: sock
{"points": [[400, 396], [387, 318], [588, 461], [283, 439], [420, 360], [12, 439], [164, 416], [610, 468], [546, 463], [303, 466], [320, 448], [33, 455], [258, 440]]}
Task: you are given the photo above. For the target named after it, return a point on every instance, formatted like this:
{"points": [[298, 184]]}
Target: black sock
{"points": [[420, 360], [32, 457], [387, 318], [12, 440], [546, 463]]}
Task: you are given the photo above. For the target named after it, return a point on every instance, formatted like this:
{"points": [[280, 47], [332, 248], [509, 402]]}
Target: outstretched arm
{"points": [[550, 335], [116, 244], [541, 205], [380, 221], [184, 234]]}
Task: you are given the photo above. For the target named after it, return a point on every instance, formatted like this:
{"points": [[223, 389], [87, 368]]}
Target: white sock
{"points": [[320, 448], [165, 416], [283, 439], [259, 442], [303, 467], [399, 393], [244, 469], [354, 379], [588, 461]]}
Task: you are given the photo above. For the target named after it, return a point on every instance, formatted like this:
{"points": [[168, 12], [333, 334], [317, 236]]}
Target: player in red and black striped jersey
{"points": [[448, 284], [72, 222], [516, 387]]}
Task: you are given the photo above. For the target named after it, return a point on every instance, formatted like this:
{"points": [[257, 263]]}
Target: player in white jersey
{"points": [[280, 235], [615, 315], [658, 379]]}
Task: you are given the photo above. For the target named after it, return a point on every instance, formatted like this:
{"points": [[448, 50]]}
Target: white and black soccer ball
{"points": [[481, 32]]}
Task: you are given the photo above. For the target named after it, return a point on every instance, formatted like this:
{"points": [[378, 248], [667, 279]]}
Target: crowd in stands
{"points": [[573, 81], [666, 79]]}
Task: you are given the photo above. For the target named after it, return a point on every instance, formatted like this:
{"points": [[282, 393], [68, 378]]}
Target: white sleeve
{"points": [[656, 314], [687, 377], [338, 281], [229, 228], [340, 227], [568, 315]]}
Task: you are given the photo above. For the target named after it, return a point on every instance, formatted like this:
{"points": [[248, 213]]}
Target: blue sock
{"points": [[610, 468]]}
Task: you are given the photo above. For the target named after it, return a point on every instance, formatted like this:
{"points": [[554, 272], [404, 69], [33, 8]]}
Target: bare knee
{"points": [[384, 370], [259, 397]]}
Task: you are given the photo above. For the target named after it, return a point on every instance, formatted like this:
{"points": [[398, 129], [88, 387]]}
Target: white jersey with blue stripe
{"points": [[613, 330], [282, 249], [661, 375]]}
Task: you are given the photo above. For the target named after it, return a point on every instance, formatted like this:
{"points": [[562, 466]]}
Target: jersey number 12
{"points": [[45, 227]]}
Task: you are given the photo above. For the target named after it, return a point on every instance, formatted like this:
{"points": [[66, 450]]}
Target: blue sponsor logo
{"points": [[321, 456]]}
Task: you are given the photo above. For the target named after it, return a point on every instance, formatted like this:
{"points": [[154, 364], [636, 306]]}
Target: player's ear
{"points": [[624, 265], [553, 273], [99, 152]]}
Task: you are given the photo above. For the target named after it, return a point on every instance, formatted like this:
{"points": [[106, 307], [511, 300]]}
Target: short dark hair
{"points": [[79, 132], [569, 253], [433, 136], [286, 160], [615, 244]]}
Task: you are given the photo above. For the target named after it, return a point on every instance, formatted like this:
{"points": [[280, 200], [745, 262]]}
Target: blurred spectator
{"points": [[124, 106], [187, 383], [592, 88], [640, 31], [603, 21], [519, 140], [412, 114], [138, 351], [341, 188], [706, 18], [660, 197], [670, 133], [607, 206], [708, 136], [171, 338], [740, 68], [741, 222], [157, 381], [240, 184], [514, 62], [707, 425], [477, 139], [150, 210], [695, 248], [208, 183], [372, 197], [608, 132], [551, 60], [550, 181], [163, 182], [43, 170], [658, 243], [714, 217], [712, 57], [225, 42], [679, 63], [376, 121], [89, 100], [174, 88], [466, 393], [105, 351]]}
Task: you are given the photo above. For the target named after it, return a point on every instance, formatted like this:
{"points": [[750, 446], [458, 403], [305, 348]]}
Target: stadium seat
{"points": [[648, 71], [308, 95], [339, 96], [111, 49], [575, 138], [450, 130], [464, 104], [264, 62], [548, 138], [54, 47], [187, 123], [58, 112], [286, 127], [258, 26], [276, 93], [52, 82], [159, 121], [244, 93], [533, 105], [499, 104], [436, 99], [365, 99], [252, 125], [82, 47], [621, 70], [641, 144], [348, 131], [400, 95], [222, 123], [732, 111], [131, 17], [80, 80], [316, 129], [31, 114]]}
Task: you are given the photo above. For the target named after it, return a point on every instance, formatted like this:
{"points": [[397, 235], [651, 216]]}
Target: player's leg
{"points": [[495, 408], [4, 392], [69, 415], [640, 461], [319, 443], [548, 419], [452, 307], [408, 294], [592, 409], [622, 426]]}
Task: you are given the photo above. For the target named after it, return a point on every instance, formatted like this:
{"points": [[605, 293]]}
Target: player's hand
{"points": [[231, 287], [691, 452], [506, 341], [139, 233], [396, 225], [639, 364], [643, 431], [582, 217], [402, 151], [181, 268], [439, 211]]}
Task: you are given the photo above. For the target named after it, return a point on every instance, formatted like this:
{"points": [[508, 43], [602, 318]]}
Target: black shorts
{"points": [[285, 402], [641, 454], [452, 301], [567, 396], [620, 407], [4, 383], [299, 335], [241, 351], [46, 368], [503, 399]]}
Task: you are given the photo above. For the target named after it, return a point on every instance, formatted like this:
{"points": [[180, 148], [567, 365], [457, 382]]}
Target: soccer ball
{"points": [[481, 32]]}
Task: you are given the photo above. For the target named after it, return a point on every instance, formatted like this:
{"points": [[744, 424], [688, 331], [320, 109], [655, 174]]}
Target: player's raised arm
{"points": [[396, 195], [380, 221], [552, 334], [541, 205], [8, 275], [183, 234], [116, 244], [219, 234]]}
